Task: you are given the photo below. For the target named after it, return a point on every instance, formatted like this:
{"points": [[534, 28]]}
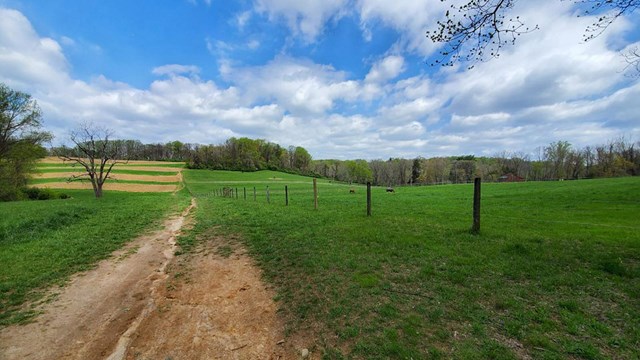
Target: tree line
{"points": [[556, 161], [22, 144], [240, 154]]}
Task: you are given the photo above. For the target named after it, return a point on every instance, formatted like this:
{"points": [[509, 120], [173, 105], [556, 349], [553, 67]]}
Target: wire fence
{"points": [[494, 207]]}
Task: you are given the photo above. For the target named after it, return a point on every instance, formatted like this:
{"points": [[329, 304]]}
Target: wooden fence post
{"points": [[245, 193], [315, 193], [476, 206], [268, 200], [368, 199], [286, 195], [254, 193], [236, 193]]}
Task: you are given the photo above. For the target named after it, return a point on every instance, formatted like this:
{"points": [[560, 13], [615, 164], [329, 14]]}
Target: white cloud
{"points": [[67, 41], [242, 19], [411, 131], [253, 44], [409, 17], [300, 86], [482, 120], [175, 69], [408, 111], [386, 69], [549, 87], [304, 18], [25, 58]]}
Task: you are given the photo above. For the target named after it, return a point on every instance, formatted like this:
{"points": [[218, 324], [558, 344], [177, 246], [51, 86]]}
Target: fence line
{"points": [[490, 209]]}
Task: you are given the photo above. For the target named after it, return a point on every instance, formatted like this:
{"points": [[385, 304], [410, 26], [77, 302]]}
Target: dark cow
{"points": [[390, 189]]}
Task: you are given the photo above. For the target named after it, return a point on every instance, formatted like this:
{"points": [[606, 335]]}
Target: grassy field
{"points": [[42, 243], [554, 273]]}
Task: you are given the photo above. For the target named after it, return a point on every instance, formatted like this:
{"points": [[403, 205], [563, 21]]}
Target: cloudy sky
{"points": [[343, 78]]}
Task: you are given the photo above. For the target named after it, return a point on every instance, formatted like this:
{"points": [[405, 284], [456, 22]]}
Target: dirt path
{"points": [[143, 304], [214, 307]]}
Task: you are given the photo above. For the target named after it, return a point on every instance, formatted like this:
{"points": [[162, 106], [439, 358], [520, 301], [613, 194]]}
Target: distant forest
{"points": [[558, 160]]}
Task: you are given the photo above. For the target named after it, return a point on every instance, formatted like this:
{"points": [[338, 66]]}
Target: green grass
{"points": [[40, 170], [42, 243], [116, 181], [70, 165], [553, 274]]}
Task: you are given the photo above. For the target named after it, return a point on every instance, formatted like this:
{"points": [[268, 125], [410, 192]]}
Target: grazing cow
{"points": [[352, 191], [390, 189]]}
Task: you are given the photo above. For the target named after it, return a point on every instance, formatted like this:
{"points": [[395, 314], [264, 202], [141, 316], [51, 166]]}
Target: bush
{"points": [[33, 193]]}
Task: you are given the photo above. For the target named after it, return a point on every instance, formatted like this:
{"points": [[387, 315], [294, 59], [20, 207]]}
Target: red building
{"points": [[510, 178]]}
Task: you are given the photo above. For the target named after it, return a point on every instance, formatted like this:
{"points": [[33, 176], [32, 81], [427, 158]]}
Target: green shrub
{"points": [[34, 193]]}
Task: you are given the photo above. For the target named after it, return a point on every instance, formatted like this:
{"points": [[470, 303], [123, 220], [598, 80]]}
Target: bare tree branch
{"points": [[609, 11], [96, 153], [632, 57], [479, 29]]}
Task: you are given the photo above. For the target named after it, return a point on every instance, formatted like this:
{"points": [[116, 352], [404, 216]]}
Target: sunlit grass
{"points": [[554, 273]]}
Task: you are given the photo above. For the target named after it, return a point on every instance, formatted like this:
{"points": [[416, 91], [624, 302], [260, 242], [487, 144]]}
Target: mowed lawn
{"points": [[42, 243], [554, 273]]}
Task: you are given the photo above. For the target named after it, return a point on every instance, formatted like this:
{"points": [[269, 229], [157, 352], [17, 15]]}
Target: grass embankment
{"points": [[555, 272], [42, 243]]}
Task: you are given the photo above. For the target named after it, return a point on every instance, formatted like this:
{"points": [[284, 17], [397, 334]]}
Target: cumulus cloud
{"points": [[27, 59], [386, 69], [304, 18], [299, 85], [541, 69], [548, 87], [409, 17]]}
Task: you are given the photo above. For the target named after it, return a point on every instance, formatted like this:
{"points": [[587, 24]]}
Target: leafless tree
{"points": [[96, 153], [479, 29]]}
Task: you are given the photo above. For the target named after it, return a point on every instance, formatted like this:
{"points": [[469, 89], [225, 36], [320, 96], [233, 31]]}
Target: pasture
{"points": [[42, 243], [554, 272]]}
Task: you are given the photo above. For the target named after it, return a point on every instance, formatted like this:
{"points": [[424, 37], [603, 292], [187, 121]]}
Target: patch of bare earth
{"points": [[214, 307], [132, 306]]}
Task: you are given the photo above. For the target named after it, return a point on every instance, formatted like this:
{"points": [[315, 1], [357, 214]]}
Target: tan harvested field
{"points": [[64, 171], [147, 168], [112, 186], [158, 178]]}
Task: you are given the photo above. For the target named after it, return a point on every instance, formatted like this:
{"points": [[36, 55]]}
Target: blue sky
{"points": [[343, 78]]}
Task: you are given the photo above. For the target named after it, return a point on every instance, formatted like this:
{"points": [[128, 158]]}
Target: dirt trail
{"points": [[216, 308], [130, 306]]}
